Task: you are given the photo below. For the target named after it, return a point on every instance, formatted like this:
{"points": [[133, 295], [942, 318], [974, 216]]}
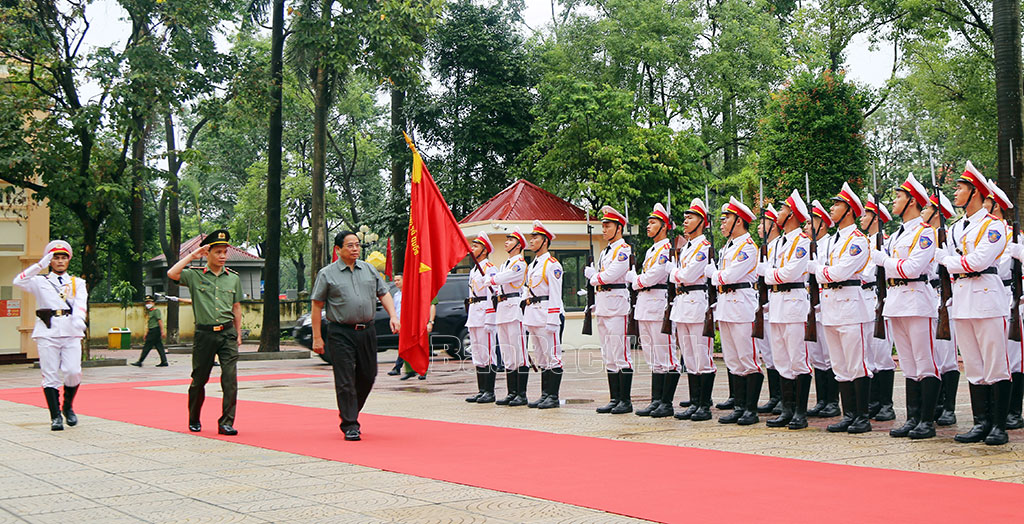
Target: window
{"points": [[573, 262]]}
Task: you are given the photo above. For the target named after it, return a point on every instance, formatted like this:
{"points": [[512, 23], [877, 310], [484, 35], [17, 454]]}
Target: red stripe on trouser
{"points": [[554, 349], [753, 348], [863, 351], [1007, 355], [522, 344], [625, 342], [931, 347]]}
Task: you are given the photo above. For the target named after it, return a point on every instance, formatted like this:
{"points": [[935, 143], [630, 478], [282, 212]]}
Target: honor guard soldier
{"points": [[542, 316], [945, 350], [652, 286], [880, 360], [998, 204], [611, 307], [509, 319], [769, 230], [480, 320], [688, 310], [844, 313], [826, 389], [911, 308], [737, 302], [979, 309], [785, 273], [216, 304], [62, 303]]}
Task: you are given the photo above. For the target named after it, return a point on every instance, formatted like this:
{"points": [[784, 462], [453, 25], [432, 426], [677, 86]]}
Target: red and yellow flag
{"points": [[434, 246]]}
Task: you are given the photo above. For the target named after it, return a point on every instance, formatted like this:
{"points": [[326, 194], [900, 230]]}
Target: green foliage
{"points": [[814, 126]]}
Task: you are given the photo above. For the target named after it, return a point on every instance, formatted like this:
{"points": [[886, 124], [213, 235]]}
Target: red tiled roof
{"points": [[234, 254], [525, 201]]}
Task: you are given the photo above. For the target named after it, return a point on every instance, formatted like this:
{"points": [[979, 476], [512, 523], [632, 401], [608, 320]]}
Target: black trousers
{"points": [[206, 345], [153, 340], [354, 354]]}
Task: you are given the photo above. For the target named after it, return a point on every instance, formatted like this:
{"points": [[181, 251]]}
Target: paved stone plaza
{"points": [[107, 471]]}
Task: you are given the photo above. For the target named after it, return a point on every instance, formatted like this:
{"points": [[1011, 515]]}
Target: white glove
{"points": [[631, 278], [581, 293], [951, 261], [589, 272], [813, 266], [761, 267], [710, 269], [878, 257], [78, 323], [1015, 250], [172, 299], [45, 261]]}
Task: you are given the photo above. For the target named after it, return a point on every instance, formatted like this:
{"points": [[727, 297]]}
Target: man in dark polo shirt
{"points": [[216, 295], [350, 288]]}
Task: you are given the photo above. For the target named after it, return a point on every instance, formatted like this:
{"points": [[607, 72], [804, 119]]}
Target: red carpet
{"points": [[649, 481]]}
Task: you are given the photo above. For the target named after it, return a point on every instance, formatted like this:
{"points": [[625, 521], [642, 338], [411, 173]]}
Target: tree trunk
{"points": [[400, 156], [270, 337], [138, 214], [318, 257], [300, 272], [1006, 31]]}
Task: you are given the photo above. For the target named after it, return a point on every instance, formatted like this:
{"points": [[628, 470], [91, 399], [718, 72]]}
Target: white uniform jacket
{"points": [[51, 293], [691, 306], [481, 312], [979, 243], [846, 259], [651, 303], [911, 255], [738, 265], [510, 280], [788, 265], [544, 278], [611, 269]]}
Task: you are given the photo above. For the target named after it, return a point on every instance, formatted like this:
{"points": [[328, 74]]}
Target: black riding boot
{"points": [[693, 381], [69, 399], [739, 391], [754, 382], [690, 385], [510, 376], [788, 404], [883, 379], [831, 408], [1013, 416], [554, 384], [625, 404], [657, 385], [803, 391], [930, 387], [820, 392], [488, 395], [522, 380], [980, 399], [913, 410], [774, 392], [613, 392], [53, 403], [1000, 405], [846, 395], [950, 382], [707, 384], [481, 378], [545, 379], [668, 392], [861, 397], [729, 403]]}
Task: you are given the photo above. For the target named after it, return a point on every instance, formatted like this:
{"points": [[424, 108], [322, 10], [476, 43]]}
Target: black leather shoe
{"points": [[645, 412], [537, 402], [70, 416], [550, 401], [749, 418], [1013, 421], [731, 418], [797, 422], [57, 424], [923, 430], [622, 407], [474, 398], [520, 400], [486, 398], [703, 413], [225, 429], [997, 437], [353, 435], [663, 410], [407, 376], [607, 408], [830, 410], [885, 413], [842, 425], [686, 415], [195, 427], [861, 424], [137, 364], [394, 372], [980, 398], [421, 377]]}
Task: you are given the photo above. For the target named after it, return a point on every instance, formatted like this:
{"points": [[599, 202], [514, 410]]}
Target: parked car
{"points": [[449, 334]]}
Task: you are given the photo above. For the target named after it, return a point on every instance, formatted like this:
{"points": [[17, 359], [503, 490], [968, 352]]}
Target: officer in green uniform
{"points": [[154, 334], [216, 295]]}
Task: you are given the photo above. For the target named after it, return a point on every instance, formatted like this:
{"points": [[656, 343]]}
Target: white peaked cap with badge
{"points": [[59, 246]]}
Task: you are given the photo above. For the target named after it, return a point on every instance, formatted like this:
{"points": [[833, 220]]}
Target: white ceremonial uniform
{"points": [[1014, 349], [818, 351], [611, 306], [910, 303], [844, 313], [542, 318], [60, 345], [651, 302], [509, 317], [764, 345], [879, 355], [690, 306], [980, 303], [480, 319], [787, 267], [945, 350], [735, 309]]}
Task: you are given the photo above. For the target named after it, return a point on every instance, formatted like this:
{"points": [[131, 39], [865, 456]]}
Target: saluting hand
{"points": [[200, 252], [45, 261]]}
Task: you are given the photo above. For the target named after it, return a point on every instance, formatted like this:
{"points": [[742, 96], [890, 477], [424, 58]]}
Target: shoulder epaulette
{"points": [[555, 260], [804, 235], [991, 216], [705, 242], [857, 233], [230, 270]]}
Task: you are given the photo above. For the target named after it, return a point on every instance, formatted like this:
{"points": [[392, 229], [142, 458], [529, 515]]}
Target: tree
{"points": [[1006, 31]]}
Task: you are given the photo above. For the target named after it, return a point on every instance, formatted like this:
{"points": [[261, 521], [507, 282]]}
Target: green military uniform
{"points": [[154, 339], [213, 297]]}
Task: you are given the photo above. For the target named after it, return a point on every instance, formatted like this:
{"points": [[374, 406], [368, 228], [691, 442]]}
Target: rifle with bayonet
{"points": [[811, 326], [942, 331], [666, 321], [709, 315], [588, 316], [762, 286], [632, 326], [1015, 265], [879, 271]]}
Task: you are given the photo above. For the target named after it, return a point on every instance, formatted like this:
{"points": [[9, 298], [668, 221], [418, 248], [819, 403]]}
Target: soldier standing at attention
{"points": [[542, 316], [480, 320], [768, 229], [611, 307], [945, 350], [688, 310], [62, 302], [509, 319], [154, 334], [826, 389], [216, 305], [880, 361]]}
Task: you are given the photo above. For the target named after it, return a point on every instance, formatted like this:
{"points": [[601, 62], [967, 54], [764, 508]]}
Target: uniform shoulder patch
{"points": [[994, 236], [992, 217], [622, 256], [558, 273], [854, 250], [230, 270], [925, 242], [700, 256], [800, 252], [742, 256], [663, 259], [517, 267]]}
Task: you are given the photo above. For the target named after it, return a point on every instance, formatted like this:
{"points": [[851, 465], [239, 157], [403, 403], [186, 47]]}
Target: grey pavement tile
{"points": [[104, 515], [439, 492], [174, 510], [434, 514], [110, 488], [47, 503], [306, 513], [258, 507], [366, 500], [7, 518]]}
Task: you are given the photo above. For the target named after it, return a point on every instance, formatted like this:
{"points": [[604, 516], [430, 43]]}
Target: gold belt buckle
{"points": [[218, 328]]}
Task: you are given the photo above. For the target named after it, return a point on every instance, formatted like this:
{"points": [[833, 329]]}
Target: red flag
{"points": [[434, 246], [389, 270]]}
